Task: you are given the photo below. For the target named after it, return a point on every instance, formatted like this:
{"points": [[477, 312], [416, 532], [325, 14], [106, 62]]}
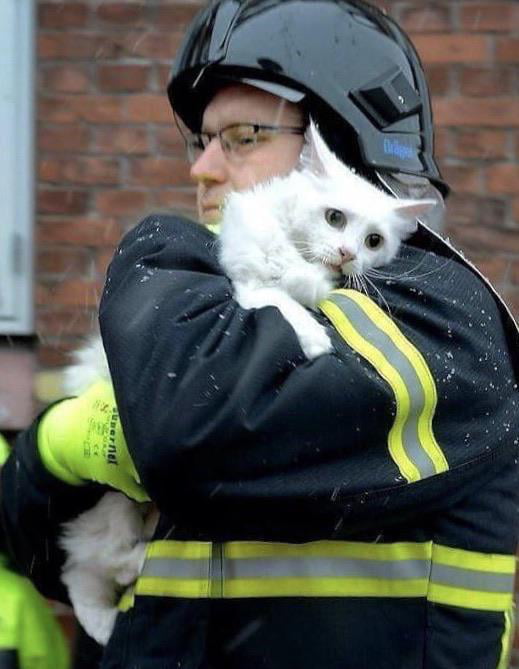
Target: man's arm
{"points": [[225, 418]]}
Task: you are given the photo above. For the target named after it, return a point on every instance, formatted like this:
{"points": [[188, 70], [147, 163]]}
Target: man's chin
{"points": [[210, 216]]}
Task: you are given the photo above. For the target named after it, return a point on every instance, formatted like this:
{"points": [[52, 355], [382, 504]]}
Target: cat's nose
{"points": [[346, 255]]}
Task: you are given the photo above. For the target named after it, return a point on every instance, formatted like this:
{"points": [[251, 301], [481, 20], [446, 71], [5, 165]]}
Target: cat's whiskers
{"points": [[408, 275], [379, 293]]}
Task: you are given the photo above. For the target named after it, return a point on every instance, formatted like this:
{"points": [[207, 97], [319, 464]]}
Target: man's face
{"points": [[217, 174]]}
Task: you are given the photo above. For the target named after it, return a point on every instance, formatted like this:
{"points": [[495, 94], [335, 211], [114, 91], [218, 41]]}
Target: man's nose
{"points": [[210, 164]]}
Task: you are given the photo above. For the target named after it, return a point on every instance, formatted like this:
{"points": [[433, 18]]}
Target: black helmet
{"points": [[357, 71]]}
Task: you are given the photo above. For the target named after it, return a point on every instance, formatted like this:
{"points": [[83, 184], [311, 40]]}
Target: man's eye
{"points": [[244, 140]]}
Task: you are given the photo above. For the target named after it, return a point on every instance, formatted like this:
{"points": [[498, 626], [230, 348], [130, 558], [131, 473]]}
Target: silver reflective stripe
{"points": [[325, 568], [471, 579], [369, 331]]}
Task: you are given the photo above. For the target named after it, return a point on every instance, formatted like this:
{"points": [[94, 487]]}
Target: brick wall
{"points": [[108, 152]]}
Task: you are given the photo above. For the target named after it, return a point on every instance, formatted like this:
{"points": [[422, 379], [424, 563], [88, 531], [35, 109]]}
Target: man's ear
{"points": [[316, 157]]}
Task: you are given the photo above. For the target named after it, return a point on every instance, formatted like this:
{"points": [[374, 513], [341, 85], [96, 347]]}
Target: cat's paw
{"points": [[315, 342], [308, 285], [98, 622], [130, 567]]}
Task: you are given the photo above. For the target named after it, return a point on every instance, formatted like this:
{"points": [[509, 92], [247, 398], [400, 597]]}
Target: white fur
{"points": [[279, 250], [106, 545]]}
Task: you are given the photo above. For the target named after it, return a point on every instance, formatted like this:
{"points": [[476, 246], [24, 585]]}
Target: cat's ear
{"points": [[316, 156], [412, 209], [408, 211]]}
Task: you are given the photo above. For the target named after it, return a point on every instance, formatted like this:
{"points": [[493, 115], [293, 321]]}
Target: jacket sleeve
{"points": [[225, 417], [33, 504]]}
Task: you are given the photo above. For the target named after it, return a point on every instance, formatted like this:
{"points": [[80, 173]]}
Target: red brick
{"points": [[507, 49], [176, 16], [514, 272], [57, 353], [476, 111], [79, 232], [98, 108], [65, 79], [94, 108], [75, 46], [169, 140], [443, 142], [63, 15], [55, 109], [122, 140], [438, 79], [463, 179], [180, 201], [62, 261], [456, 48], [503, 178], [71, 293], [148, 108], [462, 210], [63, 323], [122, 202], [495, 16], [494, 269], [486, 81], [122, 78], [482, 144], [148, 44], [515, 209], [63, 138], [431, 18], [62, 201], [511, 297], [481, 238], [159, 172], [121, 13], [493, 212], [103, 259], [80, 170]]}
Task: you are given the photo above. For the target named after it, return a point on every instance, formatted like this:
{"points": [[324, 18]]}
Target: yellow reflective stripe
{"points": [[372, 333], [347, 549], [172, 587], [184, 550], [324, 587], [468, 599], [492, 562], [127, 599], [507, 639], [472, 580], [389, 374], [415, 357], [440, 574]]}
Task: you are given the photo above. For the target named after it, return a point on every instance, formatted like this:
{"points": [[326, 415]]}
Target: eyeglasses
{"points": [[236, 140]]}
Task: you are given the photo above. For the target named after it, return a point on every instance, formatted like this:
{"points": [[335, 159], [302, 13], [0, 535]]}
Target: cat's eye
{"points": [[335, 217], [374, 241]]}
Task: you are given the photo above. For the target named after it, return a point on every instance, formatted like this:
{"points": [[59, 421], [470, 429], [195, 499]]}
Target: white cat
{"points": [[106, 545], [286, 244]]}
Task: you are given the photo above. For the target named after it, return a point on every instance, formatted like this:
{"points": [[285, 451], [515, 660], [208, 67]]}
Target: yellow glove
{"points": [[81, 439]]}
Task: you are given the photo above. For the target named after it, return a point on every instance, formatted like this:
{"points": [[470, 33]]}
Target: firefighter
{"points": [[356, 511]]}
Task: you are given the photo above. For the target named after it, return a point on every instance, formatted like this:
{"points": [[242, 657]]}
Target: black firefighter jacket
{"points": [[354, 512]]}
